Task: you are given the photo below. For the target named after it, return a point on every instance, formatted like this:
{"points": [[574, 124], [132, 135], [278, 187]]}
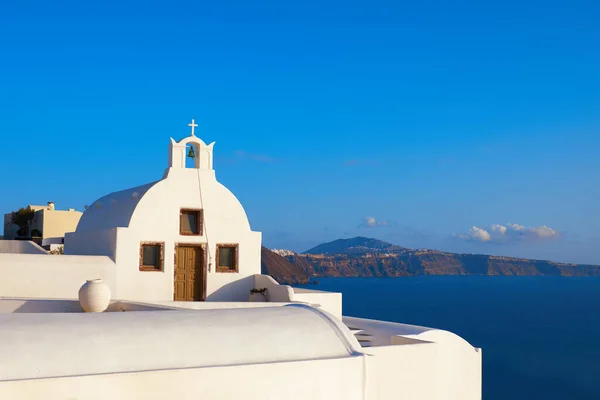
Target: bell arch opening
{"points": [[192, 155]]}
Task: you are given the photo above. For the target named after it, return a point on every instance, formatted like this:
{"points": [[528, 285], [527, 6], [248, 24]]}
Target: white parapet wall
{"points": [[276, 293], [417, 369], [328, 301], [114, 355], [20, 247], [123, 355], [326, 379], [51, 276], [436, 364]]}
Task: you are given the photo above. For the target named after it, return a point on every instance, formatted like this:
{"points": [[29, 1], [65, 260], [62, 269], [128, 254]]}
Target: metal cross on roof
{"points": [[193, 125]]}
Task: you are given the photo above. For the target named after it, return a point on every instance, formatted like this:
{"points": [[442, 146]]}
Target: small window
{"points": [[151, 257], [190, 222], [227, 258]]}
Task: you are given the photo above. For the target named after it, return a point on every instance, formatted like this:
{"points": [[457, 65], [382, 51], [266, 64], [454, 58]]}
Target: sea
{"points": [[540, 336]]}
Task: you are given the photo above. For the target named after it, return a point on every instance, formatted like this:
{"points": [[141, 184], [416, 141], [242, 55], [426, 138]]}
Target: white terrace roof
{"points": [[41, 345]]}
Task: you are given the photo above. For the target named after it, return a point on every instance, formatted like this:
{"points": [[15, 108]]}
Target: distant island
{"points": [[368, 257]]}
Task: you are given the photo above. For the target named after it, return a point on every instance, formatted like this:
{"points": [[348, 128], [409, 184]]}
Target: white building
{"points": [[184, 237], [51, 223], [181, 262]]}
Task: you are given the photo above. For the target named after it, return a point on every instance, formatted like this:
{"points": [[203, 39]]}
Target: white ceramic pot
{"points": [[94, 296]]}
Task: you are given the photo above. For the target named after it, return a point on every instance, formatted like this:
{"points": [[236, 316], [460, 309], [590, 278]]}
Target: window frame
{"points": [[161, 257], [199, 221], [218, 268]]}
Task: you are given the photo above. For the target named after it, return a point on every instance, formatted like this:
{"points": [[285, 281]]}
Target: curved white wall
{"points": [[162, 340], [112, 210], [419, 362], [159, 208]]}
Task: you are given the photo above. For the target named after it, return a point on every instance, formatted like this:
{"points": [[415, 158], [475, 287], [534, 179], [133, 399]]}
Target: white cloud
{"points": [[544, 232], [499, 229], [475, 234], [508, 233], [371, 222]]}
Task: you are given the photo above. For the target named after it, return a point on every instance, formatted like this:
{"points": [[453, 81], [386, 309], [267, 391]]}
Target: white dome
{"points": [[159, 207], [155, 206], [113, 210]]}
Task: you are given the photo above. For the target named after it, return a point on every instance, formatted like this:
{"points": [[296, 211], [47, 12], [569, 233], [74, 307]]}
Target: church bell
{"points": [[191, 153]]}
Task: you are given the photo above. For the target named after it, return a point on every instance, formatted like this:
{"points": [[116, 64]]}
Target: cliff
{"points": [[373, 258], [281, 269], [413, 263]]}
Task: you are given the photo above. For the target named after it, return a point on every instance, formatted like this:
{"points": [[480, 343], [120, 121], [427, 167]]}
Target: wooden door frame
{"points": [[204, 266]]}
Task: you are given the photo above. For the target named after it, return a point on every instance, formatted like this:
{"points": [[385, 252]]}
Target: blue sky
{"points": [[412, 122]]}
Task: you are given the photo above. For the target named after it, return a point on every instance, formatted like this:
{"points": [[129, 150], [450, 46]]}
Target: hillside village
{"points": [[368, 257]]}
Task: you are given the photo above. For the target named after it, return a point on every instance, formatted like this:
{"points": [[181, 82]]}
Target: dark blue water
{"points": [[540, 335]]}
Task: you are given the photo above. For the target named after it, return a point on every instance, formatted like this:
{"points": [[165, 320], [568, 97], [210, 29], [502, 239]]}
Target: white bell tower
{"points": [[202, 153]]}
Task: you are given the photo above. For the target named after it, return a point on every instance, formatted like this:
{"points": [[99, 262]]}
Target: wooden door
{"points": [[189, 273]]}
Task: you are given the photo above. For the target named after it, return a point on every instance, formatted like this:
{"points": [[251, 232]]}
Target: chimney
{"points": [[51, 205]]}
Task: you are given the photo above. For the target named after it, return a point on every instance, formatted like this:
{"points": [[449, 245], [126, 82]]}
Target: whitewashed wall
{"points": [[458, 366], [21, 247], [295, 353], [328, 301], [276, 292], [419, 362], [341, 379], [101, 242], [445, 369], [50, 276], [150, 213], [156, 219]]}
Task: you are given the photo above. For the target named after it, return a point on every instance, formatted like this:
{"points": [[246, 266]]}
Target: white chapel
{"points": [[185, 237], [159, 295]]}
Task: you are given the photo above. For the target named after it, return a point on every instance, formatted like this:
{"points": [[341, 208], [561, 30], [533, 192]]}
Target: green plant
{"points": [[21, 218], [58, 251], [262, 291]]}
